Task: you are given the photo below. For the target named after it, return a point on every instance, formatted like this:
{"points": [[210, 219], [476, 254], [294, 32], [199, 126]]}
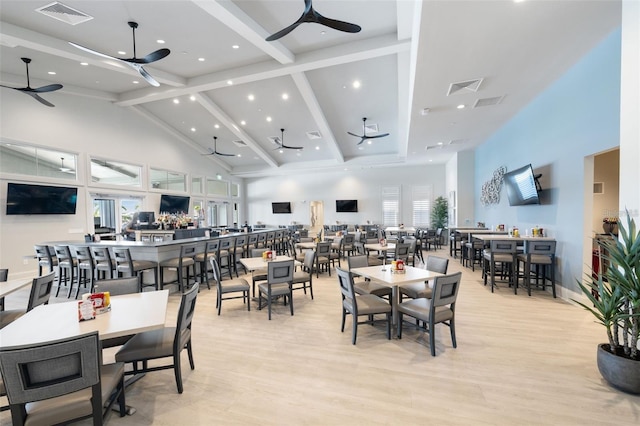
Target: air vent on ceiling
{"points": [[314, 135], [241, 144], [64, 13], [371, 128], [456, 142], [488, 101], [274, 140], [464, 86]]}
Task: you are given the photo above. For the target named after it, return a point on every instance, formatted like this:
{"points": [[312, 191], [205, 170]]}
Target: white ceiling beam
{"points": [[233, 17], [222, 116], [313, 105], [337, 55], [11, 35]]}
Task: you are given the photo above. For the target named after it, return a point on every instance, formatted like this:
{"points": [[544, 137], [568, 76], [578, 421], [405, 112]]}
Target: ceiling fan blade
{"points": [[94, 52], [347, 27], [225, 155], [211, 153], [153, 56], [48, 88], [292, 147], [39, 99], [353, 134], [152, 81], [284, 31], [362, 139], [377, 136]]}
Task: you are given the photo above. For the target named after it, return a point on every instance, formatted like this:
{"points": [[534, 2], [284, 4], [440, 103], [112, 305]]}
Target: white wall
{"points": [[363, 185], [86, 127]]}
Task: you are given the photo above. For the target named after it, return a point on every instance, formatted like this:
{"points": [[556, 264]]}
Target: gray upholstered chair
{"points": [[367, 286], [183, 263], [66, 381], [258, 274], [67, 266], [501, 252], [105, 264], [279, 284], [46, 258], [358, 305], [166, 342], [539, 254], [117, 287], [305, 275], [237, 285], [441, 308], [323, 253], [40, 292], [203, 259], [86, 268], [126, 266], [422, 289]]}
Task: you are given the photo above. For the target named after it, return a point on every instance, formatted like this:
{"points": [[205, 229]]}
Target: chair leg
{"points": [[354, 333], [190, 355], [344, 315], [290, 300], [177, 371], [452, 328], [432, 338]]}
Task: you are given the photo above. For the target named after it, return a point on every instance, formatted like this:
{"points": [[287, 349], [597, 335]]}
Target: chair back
{"points": [[445, 290], [215, 268], [304, 233], [252, 240], [345, 280], [119, 286], [63, 253], [257, 252], [309, 259], [45, 256], [84, 256], [349, 239], [437, 264], [40, 290], [262, 238], [211, 248], [280, 272], [323, 249], [188, 251], [227, 243], [359, 248], [4, 275], [185, 317], [122, 256], [540, 247], [358, 261], [241, 242], [503, 246], [51, 369], [402, 251], [101, 255]]}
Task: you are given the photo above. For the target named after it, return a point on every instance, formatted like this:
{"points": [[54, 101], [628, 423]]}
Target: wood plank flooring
{"points": [[520, 361]]}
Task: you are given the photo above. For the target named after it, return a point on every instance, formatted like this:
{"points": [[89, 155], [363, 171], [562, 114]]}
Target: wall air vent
{"points": [[314, 135], [464, 86], [241, 144], [488, 101], [64, 13]]}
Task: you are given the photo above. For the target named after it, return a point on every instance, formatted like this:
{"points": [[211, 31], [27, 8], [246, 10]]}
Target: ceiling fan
{"points": [[310, 15], [34, 92], [363, 137], [135, 63], [64, 169], [281, 144], [214, 151]]}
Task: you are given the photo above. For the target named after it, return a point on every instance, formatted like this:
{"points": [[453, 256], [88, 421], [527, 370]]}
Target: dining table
{"points": [[385, 275], [255, 263], [8, 287]]}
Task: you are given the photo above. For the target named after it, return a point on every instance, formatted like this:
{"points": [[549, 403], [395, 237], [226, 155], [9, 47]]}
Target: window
{"points": [[235, 190], [164, 179], [115, 173], [32, 161], [196, 185], [217, 187], [421, 205], [391, 206]]}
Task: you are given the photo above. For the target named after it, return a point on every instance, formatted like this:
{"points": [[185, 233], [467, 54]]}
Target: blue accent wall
{"points": [[577, 116]]}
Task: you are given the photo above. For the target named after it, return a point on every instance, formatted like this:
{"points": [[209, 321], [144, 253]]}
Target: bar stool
{"points": [[105, 265], [262, 240], [182, 263], [86, 268], [126, 266], [67, 266], [503, 252], [227, 248], [46, 257], [203, 259], [539, 253]]}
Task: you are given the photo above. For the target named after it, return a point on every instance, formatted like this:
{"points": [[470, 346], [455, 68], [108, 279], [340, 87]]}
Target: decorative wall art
{"points": [[491, 189]]}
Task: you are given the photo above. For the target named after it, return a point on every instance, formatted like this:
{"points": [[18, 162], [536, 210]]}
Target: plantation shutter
{"points": [[391, 205], [421, 205]]}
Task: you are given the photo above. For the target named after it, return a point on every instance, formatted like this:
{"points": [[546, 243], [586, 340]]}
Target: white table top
{"points": [[398, 229], [254, 263], [384, 274], [306, 246], [380, 247], [489, 237], [130, 314], [8, 287]]}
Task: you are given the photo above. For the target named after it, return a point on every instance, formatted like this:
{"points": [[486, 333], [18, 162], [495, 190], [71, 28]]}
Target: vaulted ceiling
{"points": [[408, 71]]}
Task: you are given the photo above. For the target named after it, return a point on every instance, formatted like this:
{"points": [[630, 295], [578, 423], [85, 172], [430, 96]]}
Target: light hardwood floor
{"points": [[520, 361]]}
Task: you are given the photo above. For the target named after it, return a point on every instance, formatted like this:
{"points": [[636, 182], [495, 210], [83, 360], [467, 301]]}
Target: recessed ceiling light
{"points": [[84, 64], [430, 160], [239, 155], [160, 41], [176, 101], [369, 142], [51, 73], [201, 59], [323, 32], [193, 129], [135, 82], [317, 148], [243, 122], [356, 84], [229, 82], [269, 119], [121, 52], [461, 106], [235, 46], [440, 143], [251, 97], [281, 151], [217, 126], [192, 97], [285, 96], [361, 147]]}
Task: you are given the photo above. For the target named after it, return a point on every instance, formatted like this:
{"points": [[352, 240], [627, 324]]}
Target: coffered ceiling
{"points": [[407, 71]]}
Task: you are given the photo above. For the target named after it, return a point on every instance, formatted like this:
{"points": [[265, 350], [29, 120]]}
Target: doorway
{"points": [[111, 212], [316, 216]]}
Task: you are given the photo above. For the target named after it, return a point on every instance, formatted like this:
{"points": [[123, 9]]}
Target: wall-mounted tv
{"points": [[521, 186], [281, 208], [40, 199], [347, 206], [174, 204]]}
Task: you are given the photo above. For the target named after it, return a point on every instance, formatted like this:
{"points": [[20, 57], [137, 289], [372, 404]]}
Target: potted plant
{"points": [[440, 213], [615, 303]]}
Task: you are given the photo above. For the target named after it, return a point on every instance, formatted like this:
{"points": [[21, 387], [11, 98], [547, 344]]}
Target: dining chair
{"points": [[258, 275], [305, 275], [501, 252], [166, 342], [39, 295], [439, 309], [422, 289], [539, 254], [367, 286], [323, 257], [237, 285], [61, 381], [126, 266], [279, 284], [360, 305]]}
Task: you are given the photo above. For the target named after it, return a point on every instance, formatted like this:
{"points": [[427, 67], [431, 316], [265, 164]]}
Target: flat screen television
{"points": [[281, 208], [347, 206], [174, 204], [521, 186], [40, 199]]}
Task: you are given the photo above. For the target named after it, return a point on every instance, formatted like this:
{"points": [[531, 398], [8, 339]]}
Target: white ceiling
{"points": [[405, 58]]}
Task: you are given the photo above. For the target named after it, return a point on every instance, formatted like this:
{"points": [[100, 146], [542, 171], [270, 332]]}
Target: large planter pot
{"points": [[621, 373]]}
